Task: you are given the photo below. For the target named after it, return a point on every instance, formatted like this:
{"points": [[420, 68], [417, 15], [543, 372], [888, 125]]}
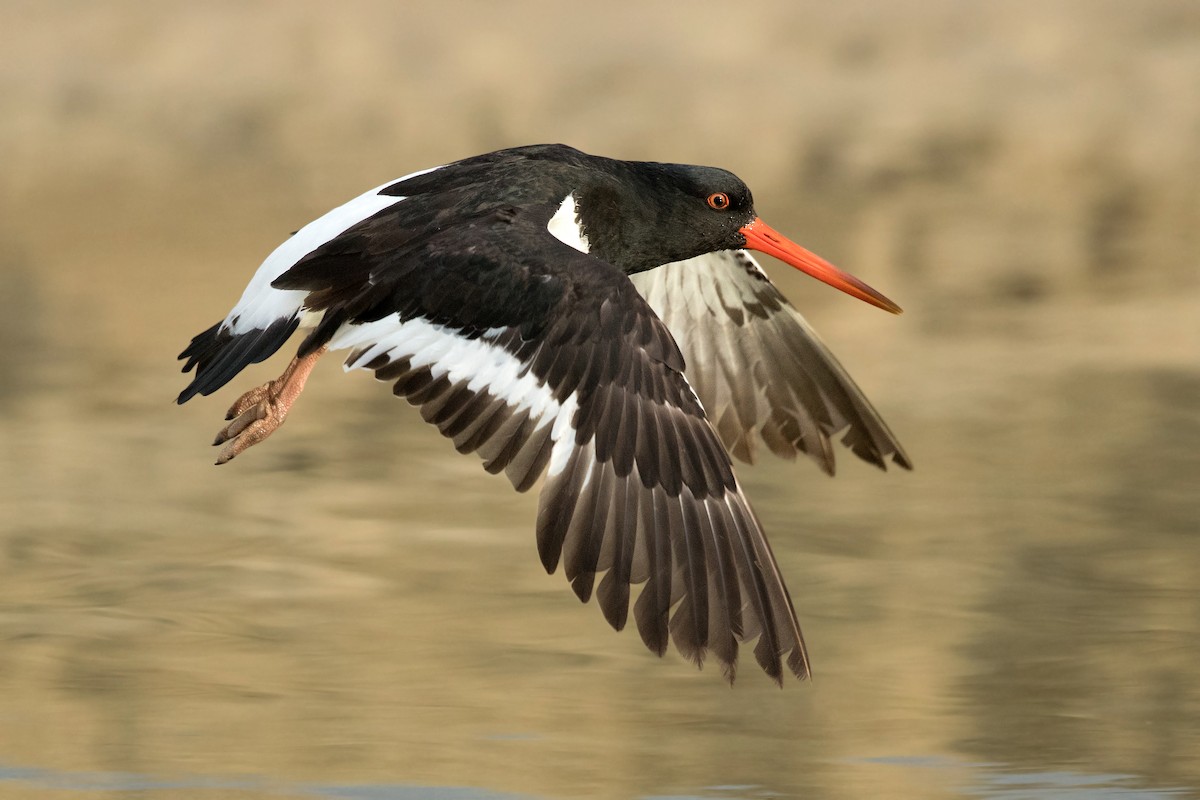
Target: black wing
{"points": [[544, 359]]}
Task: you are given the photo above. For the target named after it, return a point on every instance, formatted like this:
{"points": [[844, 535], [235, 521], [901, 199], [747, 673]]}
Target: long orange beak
{"points": [[762, 237]]}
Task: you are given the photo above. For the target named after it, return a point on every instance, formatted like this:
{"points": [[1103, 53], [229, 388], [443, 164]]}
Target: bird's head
{"points": [[658, 213]]}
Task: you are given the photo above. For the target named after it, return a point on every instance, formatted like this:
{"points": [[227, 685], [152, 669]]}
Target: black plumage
{"points": [[218, 355]]}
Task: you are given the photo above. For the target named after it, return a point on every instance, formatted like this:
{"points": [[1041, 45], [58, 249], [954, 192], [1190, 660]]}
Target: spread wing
{"points": [[543, 359], [761, 371]]}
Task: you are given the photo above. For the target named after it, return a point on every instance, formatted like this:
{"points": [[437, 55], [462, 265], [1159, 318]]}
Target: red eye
{"points": [[718, 200]]}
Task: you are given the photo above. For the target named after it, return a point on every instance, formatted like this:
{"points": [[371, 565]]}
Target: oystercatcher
{"points": [[601, 322]]}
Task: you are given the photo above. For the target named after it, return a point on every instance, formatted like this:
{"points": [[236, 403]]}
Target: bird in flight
{"points": [[593, 320]]}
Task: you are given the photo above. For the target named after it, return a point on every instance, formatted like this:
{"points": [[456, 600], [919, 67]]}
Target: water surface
{"points": [[354, 610]]}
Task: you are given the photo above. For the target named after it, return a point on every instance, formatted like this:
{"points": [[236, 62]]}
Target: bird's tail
{"points": [[218, 354]]}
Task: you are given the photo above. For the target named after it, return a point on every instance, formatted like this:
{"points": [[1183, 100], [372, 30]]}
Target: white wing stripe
{"points": [[478, 363]]}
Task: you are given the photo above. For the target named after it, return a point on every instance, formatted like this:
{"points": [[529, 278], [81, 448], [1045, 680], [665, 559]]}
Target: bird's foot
{"points": [[259, 412], [255, 416]]}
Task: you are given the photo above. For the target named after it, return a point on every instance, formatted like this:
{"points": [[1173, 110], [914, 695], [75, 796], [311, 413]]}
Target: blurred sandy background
{"points": [[966, 155], [1023, 177]]}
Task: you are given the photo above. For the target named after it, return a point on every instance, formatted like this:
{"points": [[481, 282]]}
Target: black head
{"points": [[640, 215]]}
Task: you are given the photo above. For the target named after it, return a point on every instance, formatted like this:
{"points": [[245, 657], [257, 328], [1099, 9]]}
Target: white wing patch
{"points": [[565, 227], [260, 305]]}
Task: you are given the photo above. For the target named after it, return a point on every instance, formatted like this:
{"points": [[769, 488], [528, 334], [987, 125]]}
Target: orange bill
{"points": [[762, 237]]}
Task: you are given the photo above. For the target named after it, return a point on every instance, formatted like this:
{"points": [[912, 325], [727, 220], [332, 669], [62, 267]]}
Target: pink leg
{"points": [[258, 412]]}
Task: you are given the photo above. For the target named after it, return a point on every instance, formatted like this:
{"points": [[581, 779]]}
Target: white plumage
{"points": [[260, 304]]}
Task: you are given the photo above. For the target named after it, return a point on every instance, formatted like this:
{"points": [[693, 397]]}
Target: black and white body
{"points": [[598, 322]]}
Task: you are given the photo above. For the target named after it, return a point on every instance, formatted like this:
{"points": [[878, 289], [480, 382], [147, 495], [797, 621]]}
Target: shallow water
{"points": [[352, 610]]}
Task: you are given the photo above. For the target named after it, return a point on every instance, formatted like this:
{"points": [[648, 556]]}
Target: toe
{"points": [[247, 401], [240, 423], [253, 432]]}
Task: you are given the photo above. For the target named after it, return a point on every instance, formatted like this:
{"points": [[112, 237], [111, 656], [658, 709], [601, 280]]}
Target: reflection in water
{"points": [[1070, 786], [355, 608], [1094, 633], [988, 781], [109, 783]]}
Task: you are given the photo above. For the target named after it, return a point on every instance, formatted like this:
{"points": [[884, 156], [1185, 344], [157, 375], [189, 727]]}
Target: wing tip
{"points": [[901, 459]]}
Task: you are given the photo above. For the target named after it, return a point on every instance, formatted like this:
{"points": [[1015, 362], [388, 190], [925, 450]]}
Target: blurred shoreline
{"points": [[961, 154]]}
